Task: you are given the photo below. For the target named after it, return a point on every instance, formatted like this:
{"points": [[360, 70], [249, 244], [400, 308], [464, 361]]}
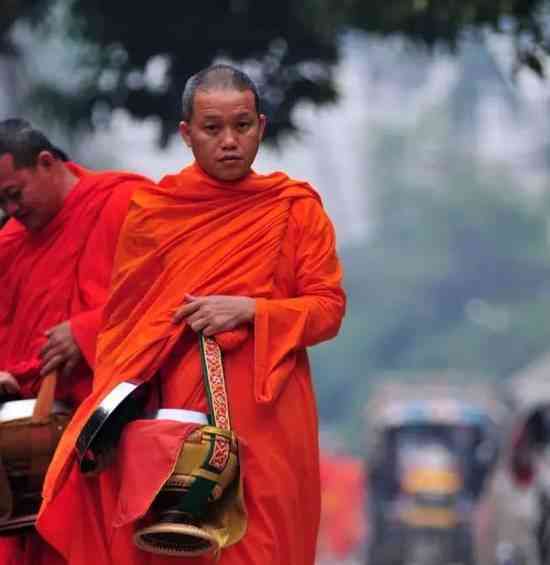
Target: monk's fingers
{"points": [[68, 347], [72, 350], [209, 330], [70, 365], [192, 303], [196, 316], [218, 324], [181, 313], [184, 311], [56, 346], [66, 344], [198, 324], [48, 346], [54, 351], [53, 363], [178, 316]]}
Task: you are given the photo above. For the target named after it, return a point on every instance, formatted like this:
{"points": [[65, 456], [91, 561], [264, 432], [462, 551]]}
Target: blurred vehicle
{"points": [[528, 453], [430, 449]]}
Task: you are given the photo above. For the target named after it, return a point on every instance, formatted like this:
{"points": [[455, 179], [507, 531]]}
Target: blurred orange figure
{"points": [[343, 526]]}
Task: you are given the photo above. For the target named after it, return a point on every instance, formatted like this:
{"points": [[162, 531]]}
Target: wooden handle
{"points": [[45, 399]]}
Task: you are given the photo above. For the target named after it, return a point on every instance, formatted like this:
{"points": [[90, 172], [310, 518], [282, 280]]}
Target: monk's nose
{"points": [[228, 139]]}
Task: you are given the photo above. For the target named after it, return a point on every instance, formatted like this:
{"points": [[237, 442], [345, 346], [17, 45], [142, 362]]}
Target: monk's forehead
{"points": [[224, 99]]}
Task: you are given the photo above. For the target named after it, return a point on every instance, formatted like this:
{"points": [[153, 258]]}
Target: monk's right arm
{"points": [[316, 312], [284, 327]]}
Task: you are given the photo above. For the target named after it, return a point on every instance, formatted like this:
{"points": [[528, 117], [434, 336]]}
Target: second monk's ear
{"points": [[184, 131]]}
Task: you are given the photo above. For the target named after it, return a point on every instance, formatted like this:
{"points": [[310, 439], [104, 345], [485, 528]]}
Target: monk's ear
{"points": [[263, 122], [45, 159], [185, 133]]}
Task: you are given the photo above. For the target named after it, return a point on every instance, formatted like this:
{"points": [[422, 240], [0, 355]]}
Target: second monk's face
{"points": [[29, 194], [224, 132]]}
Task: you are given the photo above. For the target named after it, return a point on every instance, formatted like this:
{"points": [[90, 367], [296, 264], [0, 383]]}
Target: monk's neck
{"points": [[67, 181]]}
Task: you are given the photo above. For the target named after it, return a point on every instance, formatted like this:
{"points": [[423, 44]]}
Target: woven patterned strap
{"points": [[214, 381]]}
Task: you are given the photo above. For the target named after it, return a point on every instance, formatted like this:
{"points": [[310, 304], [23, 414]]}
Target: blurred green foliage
{"points": [[290, 47], [432, 22], [139, 57], [14, 10]]}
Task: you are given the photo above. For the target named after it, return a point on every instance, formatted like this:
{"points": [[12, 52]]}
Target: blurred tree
{"points": [[12, 10], [139, 56], [432, 22]]}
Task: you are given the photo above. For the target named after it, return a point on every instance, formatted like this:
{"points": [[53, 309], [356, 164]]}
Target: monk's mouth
{"points": [[230, 159]]}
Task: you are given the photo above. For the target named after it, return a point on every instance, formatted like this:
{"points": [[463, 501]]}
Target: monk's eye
{"points": [[243, 126], [211, 128]]}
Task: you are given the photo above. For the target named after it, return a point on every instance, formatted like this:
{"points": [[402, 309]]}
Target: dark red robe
{"points": [[60, 273]]}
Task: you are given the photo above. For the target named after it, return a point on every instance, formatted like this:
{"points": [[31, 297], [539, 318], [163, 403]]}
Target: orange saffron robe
{"points": [[60, 273], [265, 236]]}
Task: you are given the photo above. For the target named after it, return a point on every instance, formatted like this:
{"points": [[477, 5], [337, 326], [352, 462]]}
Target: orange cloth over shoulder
{"points": [[231, 233]]}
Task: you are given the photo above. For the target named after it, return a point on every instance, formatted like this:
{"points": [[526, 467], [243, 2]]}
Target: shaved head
{"points": [[217, 77], [19, 139]]}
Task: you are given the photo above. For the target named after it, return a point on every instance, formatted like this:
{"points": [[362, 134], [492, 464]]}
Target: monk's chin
{"points": [[232, 178], [230, 173]]}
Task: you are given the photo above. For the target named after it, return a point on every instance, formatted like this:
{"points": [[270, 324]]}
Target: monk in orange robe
{"points": [[249, 259], [56, 255]]}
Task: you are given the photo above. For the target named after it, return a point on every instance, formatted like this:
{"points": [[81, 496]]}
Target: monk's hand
{"points": [[214, 314], [60, 351], [8, 385]]}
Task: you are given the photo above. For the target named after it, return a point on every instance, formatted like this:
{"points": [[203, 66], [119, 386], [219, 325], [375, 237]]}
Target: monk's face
{"points": [[29, 194], [224, 132]]}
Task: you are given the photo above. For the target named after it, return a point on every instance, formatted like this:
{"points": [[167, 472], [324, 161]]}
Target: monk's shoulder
{"points": [[127, 186], [308, 215], [149, 195], [148, 218]]}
